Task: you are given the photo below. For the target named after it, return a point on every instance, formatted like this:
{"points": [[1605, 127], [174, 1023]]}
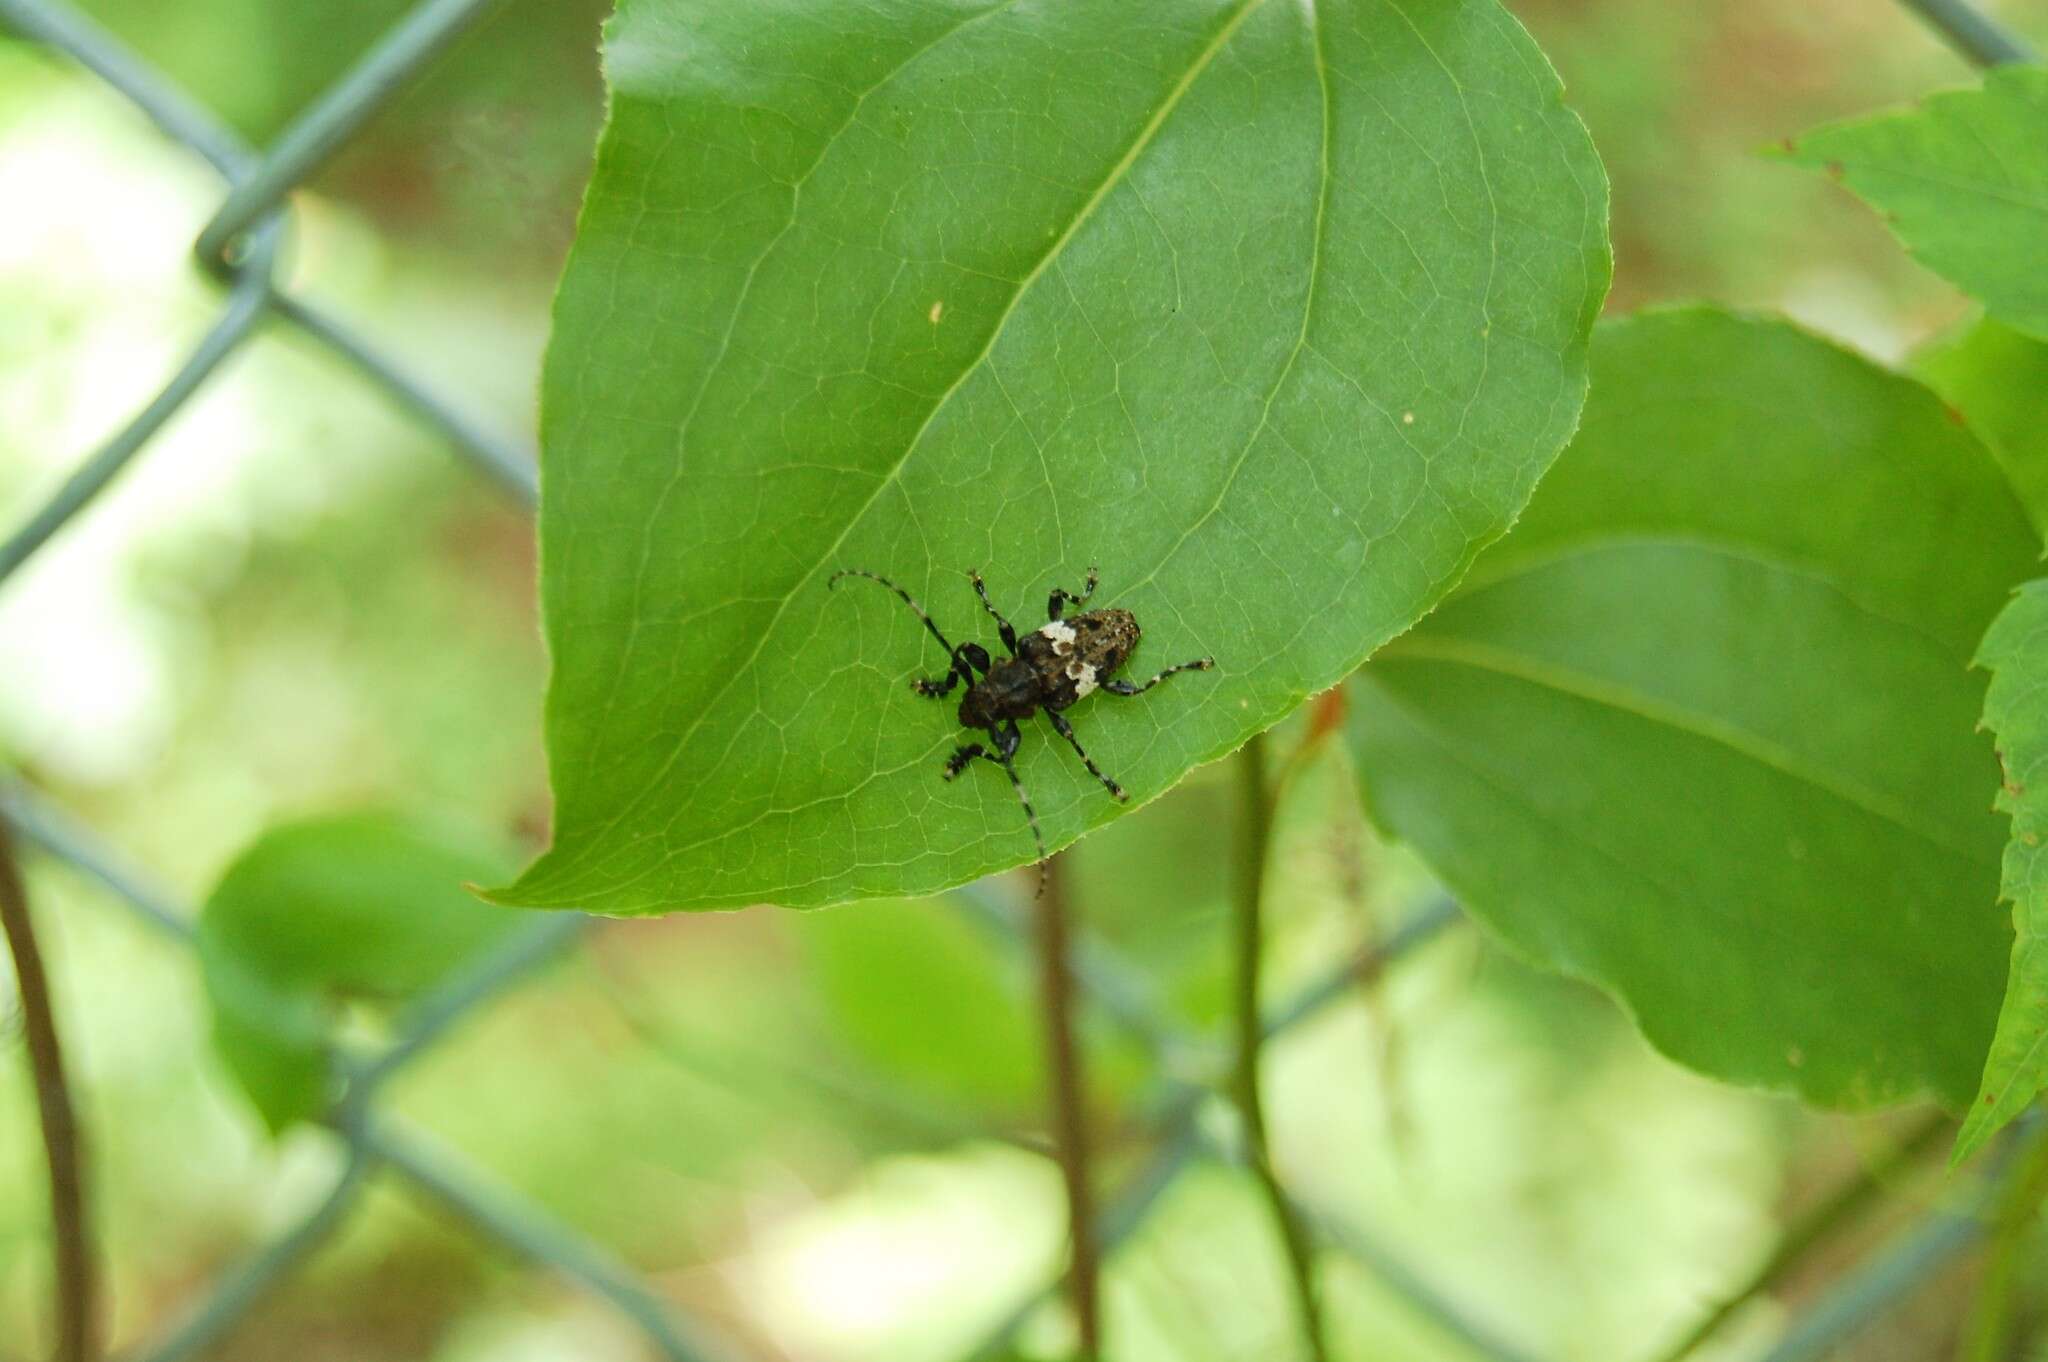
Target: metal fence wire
{"points": [[239, 247]]}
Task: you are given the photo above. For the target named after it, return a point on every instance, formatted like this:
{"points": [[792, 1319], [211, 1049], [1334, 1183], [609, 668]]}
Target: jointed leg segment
{"points": [[1006, 739], [1003, 627], [1056, 604], [1200, 664], [1066, 730], [968, 659]]}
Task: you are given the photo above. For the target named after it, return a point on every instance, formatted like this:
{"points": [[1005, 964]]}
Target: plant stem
{"points": [[1178, 1116], [1970, 31], [1840, 1206], [71, 1245], [1070, 1122], [1251, 1035], [1121, 1218]]}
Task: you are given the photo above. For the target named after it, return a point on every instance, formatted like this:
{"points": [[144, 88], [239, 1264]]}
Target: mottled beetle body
{"points": [[1055, 666], [1051, 669]]}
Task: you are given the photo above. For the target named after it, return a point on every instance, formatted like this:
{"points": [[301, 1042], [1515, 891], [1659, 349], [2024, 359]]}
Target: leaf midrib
{"points": [[716, 363], [2012, 195], [1599, 968], [1138, 146], [1628, 700]]}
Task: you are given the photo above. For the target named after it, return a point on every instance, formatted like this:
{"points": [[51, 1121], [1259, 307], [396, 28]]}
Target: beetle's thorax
{"points": [[1011, 690]]}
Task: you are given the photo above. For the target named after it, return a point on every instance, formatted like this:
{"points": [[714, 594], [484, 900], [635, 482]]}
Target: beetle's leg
{"points": [[1200, 664], [1007, 739], [1066, 730], [1003, 627], [957, 763], [1056, 604], [968, 658], [960, 671]]}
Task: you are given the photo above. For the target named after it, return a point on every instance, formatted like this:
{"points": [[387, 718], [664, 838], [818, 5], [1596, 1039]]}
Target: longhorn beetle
{"points": [[1051, 668]]}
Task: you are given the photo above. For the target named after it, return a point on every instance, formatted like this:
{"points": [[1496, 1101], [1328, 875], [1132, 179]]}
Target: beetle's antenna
{"points": [[1031, 817], [833, 581]]}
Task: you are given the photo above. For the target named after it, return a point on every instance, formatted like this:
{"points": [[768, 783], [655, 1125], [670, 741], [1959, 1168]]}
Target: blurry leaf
{"points": [[927, 999], [1275, 312], [1998, 379], [1157, 890], [1702, 729], [363, 906], [2016, 711], [1963, 180]]}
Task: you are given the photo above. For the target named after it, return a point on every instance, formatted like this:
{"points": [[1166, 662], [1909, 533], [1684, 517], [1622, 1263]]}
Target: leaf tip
{"points": [[503, 896], [1970, 1138]]}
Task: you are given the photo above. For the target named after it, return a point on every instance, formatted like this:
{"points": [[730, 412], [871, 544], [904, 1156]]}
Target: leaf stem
{"points": [[1070, 1122], [1394, 1275], [1975, 34], [1840, 1206], [71, 1242], [1257, 813]]}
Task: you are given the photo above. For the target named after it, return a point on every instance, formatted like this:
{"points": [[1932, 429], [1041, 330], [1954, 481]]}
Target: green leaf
{"points": [[1997, 379], [357, 907], [1702, 729], [1963, 180], [2016, 652], [1273, 311]]}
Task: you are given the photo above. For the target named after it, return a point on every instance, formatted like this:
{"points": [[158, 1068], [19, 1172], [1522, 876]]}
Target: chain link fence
{"points": [[239, 247]]}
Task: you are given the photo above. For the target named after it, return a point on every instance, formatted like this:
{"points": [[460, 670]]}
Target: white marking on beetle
{"points": [[1082, 674], [1062, 635]]}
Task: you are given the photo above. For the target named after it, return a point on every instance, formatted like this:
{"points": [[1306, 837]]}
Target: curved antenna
{"points": [[907, 599]]}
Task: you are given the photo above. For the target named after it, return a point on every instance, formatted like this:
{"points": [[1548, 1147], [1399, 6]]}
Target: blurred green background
{"points": [[815, 1131]]}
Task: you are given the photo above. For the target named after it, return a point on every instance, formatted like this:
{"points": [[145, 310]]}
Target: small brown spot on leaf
{"points": [[1955, 413], [1834, 168]]}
